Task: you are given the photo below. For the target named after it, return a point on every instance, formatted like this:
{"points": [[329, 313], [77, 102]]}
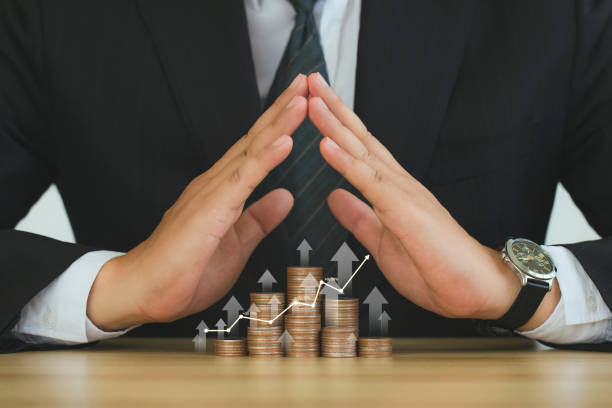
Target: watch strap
{"points": [[525, 305]]}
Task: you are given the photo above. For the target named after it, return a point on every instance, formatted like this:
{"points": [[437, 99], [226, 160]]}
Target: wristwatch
{"points": [[536, 270]]}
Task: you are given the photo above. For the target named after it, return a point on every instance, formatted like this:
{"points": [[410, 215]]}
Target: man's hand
{"points": [[424, 253], [197, 252]]}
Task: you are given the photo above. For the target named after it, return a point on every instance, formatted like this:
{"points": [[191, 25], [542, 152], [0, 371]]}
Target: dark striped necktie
{"points": [[305, 173]]}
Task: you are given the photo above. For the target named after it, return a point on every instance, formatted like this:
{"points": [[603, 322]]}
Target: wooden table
{"points": [[422, 372]]}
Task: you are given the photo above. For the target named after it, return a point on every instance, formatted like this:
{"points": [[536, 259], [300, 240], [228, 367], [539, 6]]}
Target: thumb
{"points": [[262, 217]]}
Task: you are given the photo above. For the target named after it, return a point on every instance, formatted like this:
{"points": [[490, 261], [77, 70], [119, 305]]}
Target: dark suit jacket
{"points": [[122, 102]]}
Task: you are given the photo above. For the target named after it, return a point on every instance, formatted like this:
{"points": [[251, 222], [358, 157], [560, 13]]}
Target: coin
{"points": [[375, 347], [268, 306], [265, 341], [303, 286], [342, 312], [231, 347], [303, 321], [339, 342]]}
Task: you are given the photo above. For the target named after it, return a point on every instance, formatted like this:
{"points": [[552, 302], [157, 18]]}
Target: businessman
{"points": [[195, 144]]}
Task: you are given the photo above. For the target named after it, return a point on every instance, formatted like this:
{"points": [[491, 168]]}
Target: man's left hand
{"points": [[423, 252]]}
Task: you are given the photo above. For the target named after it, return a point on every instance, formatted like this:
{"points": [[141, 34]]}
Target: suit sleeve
{"points": [[587, 162], [27, 262]]}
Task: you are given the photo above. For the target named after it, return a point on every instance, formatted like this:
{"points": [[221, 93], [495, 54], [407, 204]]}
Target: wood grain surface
{"points": [[422, 372]]}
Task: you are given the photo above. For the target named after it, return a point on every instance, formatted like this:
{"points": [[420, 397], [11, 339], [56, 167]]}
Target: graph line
{"points": [[294, 303]]}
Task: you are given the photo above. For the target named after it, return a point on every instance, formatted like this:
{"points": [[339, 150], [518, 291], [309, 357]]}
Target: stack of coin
{"points": [[339, 342], [265, 341], [302, 286], [264, 337], [268, 306], [375, 347], [231, 347], [305, 335], [342, 312], [303, 322]]}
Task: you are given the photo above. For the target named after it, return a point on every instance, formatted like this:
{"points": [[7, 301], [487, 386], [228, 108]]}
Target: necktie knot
{"points": [[303, 6]]}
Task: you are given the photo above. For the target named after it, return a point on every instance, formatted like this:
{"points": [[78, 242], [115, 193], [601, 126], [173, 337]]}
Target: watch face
{"points": [[531, 258]]}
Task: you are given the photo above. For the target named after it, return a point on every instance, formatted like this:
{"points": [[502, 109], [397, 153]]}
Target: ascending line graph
{"points": [[293, 303]]}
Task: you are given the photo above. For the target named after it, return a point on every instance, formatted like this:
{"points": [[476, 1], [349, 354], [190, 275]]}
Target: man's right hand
{"points": [[203, 241]]}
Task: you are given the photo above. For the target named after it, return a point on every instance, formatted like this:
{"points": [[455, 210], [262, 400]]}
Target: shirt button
{"points": [[49, 318]]}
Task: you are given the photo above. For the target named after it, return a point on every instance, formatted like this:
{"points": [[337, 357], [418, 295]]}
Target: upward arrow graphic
{"points": [[202, 328], [266, 280], [374, 300], [330, 296], [351, 338], [304, 250], [345, 258], [309, 283], [285, 338], [221, 328], [199, 343], [384, 323], [233, 308], [274, 302], [252, 312]]}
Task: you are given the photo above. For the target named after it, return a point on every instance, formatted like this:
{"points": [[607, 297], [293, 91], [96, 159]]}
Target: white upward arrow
{"points": [[304, 249], [345, 258], [384, 323], [199, 342], [266, 280], [375, 300]]}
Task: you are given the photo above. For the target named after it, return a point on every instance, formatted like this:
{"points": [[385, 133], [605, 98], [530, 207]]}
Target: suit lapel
{"points": [[204, 49], [410, 53]]}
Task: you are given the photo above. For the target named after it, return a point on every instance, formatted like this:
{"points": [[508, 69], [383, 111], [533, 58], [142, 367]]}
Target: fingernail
{"points": [[295, 81], [331, 143], [321, 79], [292, 102], [279, 141]]}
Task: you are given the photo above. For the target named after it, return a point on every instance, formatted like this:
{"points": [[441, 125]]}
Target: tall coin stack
{"points": [[263, 337], [303, 322], [341, 330]]}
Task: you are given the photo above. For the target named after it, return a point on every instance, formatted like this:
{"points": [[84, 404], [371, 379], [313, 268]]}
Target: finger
{"points": [[299, 87], [361, 220], [285, 124], [319, 88], [373, 184], [262, 217], [241, 181], [357, 217], [331, 127]]}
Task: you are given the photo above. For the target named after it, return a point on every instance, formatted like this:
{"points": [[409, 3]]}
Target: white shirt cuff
{"points": [[581, 316], [58, 313]]}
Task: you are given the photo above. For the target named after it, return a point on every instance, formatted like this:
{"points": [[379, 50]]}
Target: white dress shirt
{"points": [[58, 313]]}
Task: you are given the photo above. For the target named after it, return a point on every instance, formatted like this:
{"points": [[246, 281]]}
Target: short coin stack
{"points": [[231, 347], [303, 322], [375, 347], [338, 342], [341, 327], [264, 337]]}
